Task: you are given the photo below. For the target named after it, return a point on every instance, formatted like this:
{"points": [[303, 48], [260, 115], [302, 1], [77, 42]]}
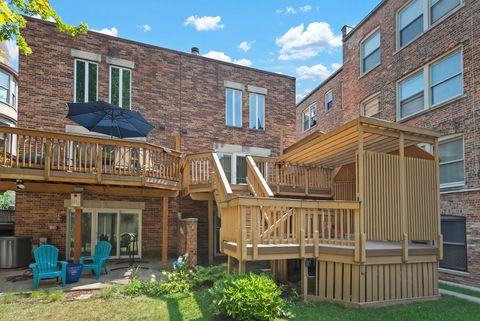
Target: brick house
{"points": [[415, 62], [198, 103]]}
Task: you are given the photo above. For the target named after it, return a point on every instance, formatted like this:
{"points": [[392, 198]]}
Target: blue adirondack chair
{"points": [[102, 253], [46, 265]]}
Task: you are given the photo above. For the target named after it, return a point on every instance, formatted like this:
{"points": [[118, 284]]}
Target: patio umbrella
{"points": [[108, 119]]}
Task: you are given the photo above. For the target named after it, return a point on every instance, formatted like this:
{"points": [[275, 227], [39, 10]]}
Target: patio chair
{"points": [[46, 265], [102, 253]]}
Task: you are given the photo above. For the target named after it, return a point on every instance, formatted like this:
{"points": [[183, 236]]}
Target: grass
{"points": [[460, 290], [194, 307]]}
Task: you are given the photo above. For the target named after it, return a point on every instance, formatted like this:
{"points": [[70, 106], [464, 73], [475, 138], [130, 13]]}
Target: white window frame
{"points": [[86, 80], [256, 110], [362, 56], [427, 89], [234, 107], [9, 89], [427, 25], [446, 139], [308, 110], [326, 100], [367, 100], [120, 84]]}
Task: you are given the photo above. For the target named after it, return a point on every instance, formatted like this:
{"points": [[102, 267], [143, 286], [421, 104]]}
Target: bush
{"points": [[249, 297], [108, 292], [177, 281], [207, 276]]}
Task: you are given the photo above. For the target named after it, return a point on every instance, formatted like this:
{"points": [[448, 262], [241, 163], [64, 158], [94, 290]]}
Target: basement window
{"points": [[454, 243]]}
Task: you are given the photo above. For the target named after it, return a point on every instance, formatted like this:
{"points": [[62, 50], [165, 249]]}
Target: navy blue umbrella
{"points": [[108, 119]]}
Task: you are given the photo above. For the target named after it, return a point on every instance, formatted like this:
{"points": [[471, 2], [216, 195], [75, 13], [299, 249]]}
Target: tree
{"points": [[12, 20], [7, 200]]}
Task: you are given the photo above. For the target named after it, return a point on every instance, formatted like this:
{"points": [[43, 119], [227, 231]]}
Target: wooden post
{"points": [[241, 267], [178, 142], [304, 279], [48, 158], [99, 162], [165, 234], [360, 237], [77, 244], [403, 197], [281, 140], [211, 225]]}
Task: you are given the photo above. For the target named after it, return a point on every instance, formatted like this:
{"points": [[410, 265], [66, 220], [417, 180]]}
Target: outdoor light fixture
{"points": [[20, 184]]}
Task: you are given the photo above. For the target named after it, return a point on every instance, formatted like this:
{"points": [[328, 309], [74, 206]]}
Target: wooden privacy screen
{"points": [[379, 282], [383, 198]]}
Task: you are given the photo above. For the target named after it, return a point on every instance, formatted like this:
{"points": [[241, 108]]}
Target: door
{"points": [[86, 233], [130, 227], [107, 229]]}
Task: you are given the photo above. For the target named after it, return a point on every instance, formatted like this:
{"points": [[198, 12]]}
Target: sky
{"points": [[296, 38]]}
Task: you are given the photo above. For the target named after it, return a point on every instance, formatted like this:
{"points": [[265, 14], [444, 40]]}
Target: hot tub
{"points": [[15, 251]]}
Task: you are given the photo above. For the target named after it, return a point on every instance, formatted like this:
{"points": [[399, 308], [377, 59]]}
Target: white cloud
{"points": [[108, 31], [245, 45], [290, 10], [305, 8], [145, 28], [303, 43], [218, 55], [300, 96], [39, 17], [316, 72], [204, 23]]}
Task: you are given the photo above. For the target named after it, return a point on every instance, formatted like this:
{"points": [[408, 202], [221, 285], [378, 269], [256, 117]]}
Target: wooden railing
{"points": [[291, 179], [290, 221], [197, 170], [66, 153], [255, 180]]}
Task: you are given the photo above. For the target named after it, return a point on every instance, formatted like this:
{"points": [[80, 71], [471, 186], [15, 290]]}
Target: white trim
{"points": [[325, 102], [234, 107], [84, 55], [256, 110], [362, 42], [86, 81], [447, 139], [257, 90], [453, 272], [305, 110], [120, 85], [124, 63]]}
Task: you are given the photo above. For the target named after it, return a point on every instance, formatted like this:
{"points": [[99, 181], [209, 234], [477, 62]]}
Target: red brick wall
{"points": [[171, 89], [455, 117]]}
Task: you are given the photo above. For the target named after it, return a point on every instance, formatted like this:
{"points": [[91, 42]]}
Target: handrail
{"points": [[86, 139], [221, 178], [256, 181]]}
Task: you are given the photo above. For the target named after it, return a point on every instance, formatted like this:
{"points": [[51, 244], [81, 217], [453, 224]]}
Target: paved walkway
{"points": [[87, 281]]}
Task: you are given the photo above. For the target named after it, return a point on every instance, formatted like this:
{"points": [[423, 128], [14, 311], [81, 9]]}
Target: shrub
{"points": [[177, 281], [249, 297], [49, 296], [108, 292], [207, 276]]}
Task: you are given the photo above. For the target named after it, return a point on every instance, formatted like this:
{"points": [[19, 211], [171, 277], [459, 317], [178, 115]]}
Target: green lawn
{"points": [[459, 290], [187, 307]]}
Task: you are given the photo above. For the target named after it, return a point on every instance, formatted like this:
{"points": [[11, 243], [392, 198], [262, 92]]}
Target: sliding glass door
{"points": [[121, 228]]}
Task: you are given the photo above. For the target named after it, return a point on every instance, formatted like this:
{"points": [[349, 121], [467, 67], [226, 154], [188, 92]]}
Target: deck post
{"points": [[211, 223], [77, 244], [99, 162], [304, 280], [229, 264], [360, 237], [165, 233], [48, 158], [403, 195], [241, 267]]}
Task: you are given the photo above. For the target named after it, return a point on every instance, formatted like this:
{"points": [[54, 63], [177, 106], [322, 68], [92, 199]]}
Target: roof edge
{"points": [[324, 82]]}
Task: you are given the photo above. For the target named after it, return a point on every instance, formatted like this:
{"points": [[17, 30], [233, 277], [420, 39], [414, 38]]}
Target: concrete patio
{"points": [[118, 273]]}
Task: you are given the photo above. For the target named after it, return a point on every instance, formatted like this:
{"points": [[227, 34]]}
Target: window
{"points": [[419, 15], [120, 87], [309, 117], [329, 100], [14, 94], [412, 95], [370, 52], [233, 104], [411, 22], [257, 111], [434, 84], [86, 78], [371, 107], [226, 162], [454, 243], [235, 167], [440, 8], [4, 87], [446, 79], [452, 164]]}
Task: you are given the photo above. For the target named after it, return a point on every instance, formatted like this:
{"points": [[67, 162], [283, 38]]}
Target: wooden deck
{"points": [[32, 155]]}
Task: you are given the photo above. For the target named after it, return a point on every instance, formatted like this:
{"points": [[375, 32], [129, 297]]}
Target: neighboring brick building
{"points": [[416, 62], [179, 93]]}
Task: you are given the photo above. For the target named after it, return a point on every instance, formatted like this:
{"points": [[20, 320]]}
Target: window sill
{"points": [[453, 272], [453, 186], [369, 71], [306, 131], [8, 104], [432, 108], [234, 127]]}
